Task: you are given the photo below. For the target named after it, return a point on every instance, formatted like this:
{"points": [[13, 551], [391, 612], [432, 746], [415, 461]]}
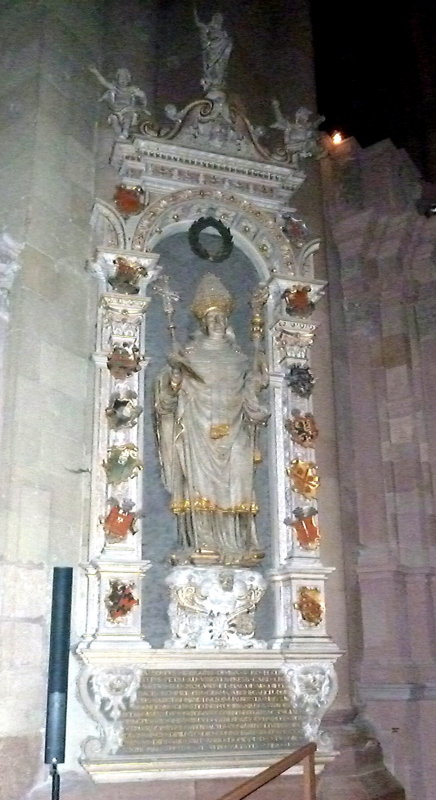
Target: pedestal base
{"points": [[213, 607]]}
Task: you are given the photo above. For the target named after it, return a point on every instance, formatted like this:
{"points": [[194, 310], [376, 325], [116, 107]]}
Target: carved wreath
{"points": [[226, 239]]}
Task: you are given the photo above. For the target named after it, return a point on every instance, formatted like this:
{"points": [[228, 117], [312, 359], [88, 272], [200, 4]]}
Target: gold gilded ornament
{"points": [[219, 431], [309, 605], [304, 478], [211, 295]]}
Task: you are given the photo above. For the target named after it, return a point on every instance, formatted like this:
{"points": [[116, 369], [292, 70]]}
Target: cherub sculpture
{"points": [[123, 100], [300, 138]]}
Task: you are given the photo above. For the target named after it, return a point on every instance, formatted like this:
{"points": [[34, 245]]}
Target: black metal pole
{"points": [[58, 673], [55, 780]]}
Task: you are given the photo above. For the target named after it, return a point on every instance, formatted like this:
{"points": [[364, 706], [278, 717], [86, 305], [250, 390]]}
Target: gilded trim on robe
{"points": [[203, 504]]}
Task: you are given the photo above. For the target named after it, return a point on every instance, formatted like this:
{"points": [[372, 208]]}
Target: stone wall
{"points": [[382, 279], [47, 185]]}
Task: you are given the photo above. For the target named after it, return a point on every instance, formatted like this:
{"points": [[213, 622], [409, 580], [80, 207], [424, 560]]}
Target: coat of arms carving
{"points": [[119, 523], [309, 605], [302, 429], [297, 301], [304, 477], [123, 361], [306, 528], [122, 463], [300, 380], [120, 600]]}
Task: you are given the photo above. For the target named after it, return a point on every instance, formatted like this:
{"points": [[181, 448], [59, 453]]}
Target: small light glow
{"points": [[337, 137]]}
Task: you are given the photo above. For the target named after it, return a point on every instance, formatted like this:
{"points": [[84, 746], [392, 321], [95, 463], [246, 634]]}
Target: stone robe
{"points": [[206, 438]]}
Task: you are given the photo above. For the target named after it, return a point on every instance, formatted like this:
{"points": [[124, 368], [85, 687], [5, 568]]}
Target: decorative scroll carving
{"points": [[312, 688], [106, 693], [293, 340], [213, 607]]}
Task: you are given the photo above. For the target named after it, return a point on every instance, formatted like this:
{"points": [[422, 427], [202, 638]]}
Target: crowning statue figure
{"points": [[216, 46], [207, 411]]}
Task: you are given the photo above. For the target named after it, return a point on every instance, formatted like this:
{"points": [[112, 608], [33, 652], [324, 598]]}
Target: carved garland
{"points": [[226, 239]]}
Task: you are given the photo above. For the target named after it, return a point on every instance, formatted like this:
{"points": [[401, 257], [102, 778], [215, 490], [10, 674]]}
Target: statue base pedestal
{"points": [[213, 607]]}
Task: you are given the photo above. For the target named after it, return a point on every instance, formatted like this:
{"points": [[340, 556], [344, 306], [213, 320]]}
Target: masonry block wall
{"points": [[382, 274], [47, 187]]}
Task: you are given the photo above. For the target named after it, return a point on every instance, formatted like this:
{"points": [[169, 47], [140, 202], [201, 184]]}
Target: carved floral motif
{"points": [[312, 687]]}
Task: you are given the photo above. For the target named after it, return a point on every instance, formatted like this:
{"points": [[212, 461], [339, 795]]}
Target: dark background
{"points": [[376, 73]]}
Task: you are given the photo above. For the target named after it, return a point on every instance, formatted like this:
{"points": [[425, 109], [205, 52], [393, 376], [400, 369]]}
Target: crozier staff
{"points": [[207, 410]]}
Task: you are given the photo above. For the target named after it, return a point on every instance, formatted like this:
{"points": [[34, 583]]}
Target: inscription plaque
{"points": [[211, 711]]}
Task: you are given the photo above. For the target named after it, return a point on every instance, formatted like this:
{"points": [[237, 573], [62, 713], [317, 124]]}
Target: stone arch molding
{"points": [[108, 227], [256, 232]]}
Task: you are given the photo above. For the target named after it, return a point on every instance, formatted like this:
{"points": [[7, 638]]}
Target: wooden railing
{"points": [[305, 754]]}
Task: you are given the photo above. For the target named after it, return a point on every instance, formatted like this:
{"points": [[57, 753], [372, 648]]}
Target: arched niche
{"points": [[256, 232], [184, 270]]}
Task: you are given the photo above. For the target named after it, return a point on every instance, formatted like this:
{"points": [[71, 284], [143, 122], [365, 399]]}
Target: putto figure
{"points": [[216, 46], [207, 410], [123, 100], [301, 138]]}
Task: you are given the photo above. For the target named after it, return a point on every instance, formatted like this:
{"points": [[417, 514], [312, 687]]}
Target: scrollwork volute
{"points": [[106, 694], [312, 688]]}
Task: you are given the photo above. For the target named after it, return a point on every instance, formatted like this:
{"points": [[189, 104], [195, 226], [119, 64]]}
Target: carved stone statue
{"points": [[301, 139], [123, 100], [216, 46], [207, 411]]}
